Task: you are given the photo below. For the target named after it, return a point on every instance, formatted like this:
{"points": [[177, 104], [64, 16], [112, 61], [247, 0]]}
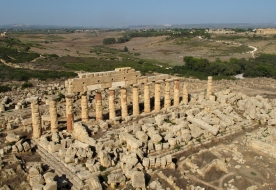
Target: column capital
{"points": [[53, 97], [32, 99], [69, 95], [84, 93], [168, 80]]}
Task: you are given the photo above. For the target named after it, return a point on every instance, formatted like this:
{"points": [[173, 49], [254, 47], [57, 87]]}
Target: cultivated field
{"points": [[158, 48]]}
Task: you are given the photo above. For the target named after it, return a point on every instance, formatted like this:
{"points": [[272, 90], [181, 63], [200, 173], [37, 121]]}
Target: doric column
{"points": [[69, 111], [112, 113], [53, 113], [176, 92], [146, 98], [185, 94], [135, 96], [157, 105], [2, 107], [167, 102], [99, 109], [36, 120], [84, 107], [209, 86], [124, 102]]}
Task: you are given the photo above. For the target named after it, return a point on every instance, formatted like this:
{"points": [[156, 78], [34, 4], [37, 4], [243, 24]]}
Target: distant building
{"points": [[220, 31], [264, 31], [3, 34]]}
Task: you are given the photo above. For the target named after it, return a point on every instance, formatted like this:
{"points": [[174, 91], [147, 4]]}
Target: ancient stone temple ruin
{"points": [[119, 127]]}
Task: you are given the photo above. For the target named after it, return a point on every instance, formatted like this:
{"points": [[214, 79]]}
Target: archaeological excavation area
{"points": [[121, 130]]}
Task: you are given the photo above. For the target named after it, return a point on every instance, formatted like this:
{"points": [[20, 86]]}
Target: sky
{"points": [[123, 13]]}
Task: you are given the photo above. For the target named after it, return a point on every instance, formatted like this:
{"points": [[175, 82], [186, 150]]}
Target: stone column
{"points": [[2, 107], [147, 98], [157, 106], [36, 120], [99, 109], [84, 107], [53, 113], [185, 94], [209, 86], [176, 92], [167, 102], [69, 111], [135, 96], [112, 113], [124, 102]]}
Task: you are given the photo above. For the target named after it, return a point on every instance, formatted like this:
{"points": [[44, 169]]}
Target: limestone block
{"points": [[37, 187], [50, 186], [11, 137], [158, 147], [52, 147], [116, 178], [152, 161], [14, 148], [69, 159], [186, 137], [212, 129], [271, 122], [37, 179], [224, 118], [105, 159], [166, 146], [62, 152], [55, 137], [169, 158], [26, 146], [130, 140], [49, 177], [146, 162], [138, 179], [142, 136], [211, 120], [195, 131], [163, 162], [33, 171]]}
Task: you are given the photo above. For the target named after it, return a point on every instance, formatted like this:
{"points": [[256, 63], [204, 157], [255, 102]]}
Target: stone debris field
{"points": [[120, 130]]}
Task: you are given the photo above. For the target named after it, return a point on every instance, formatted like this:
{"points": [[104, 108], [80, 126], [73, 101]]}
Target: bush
{"points": [[26, 85], [5, 88]]}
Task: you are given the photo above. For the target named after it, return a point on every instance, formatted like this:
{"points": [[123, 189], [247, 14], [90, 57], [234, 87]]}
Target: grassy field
{"points": [[85, 51]]}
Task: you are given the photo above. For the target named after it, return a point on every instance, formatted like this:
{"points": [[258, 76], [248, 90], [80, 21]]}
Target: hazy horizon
{"points": [[122, 13]]}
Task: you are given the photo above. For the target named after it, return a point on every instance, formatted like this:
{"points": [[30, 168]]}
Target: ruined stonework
{"points": [[90, 81], [53, 113], [36, 121]]}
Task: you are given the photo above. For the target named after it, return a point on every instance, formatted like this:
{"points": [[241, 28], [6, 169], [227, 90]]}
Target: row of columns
{"points": [[36, 119], [135, 94]]}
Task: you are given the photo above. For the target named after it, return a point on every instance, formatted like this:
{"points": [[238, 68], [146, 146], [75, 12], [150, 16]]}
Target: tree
{"points": [[125, 49], [109, 41]]}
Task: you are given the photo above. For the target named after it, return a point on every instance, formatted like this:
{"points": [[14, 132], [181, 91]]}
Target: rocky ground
{"points": [[205, 144]]}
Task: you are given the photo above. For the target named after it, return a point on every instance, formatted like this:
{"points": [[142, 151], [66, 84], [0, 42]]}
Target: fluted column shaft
{"points": [[167, 102], [209, 86], [36, 120], [157, 105], [124, 102], [99, 109], [135, 96], [84, 108], [53, 113], [69, 111], [176, 92], [185, 94], [146, 98], [111, 101]]}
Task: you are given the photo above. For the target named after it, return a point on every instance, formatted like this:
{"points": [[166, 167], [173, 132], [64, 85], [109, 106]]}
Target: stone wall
{"points": [[100, 80]]}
